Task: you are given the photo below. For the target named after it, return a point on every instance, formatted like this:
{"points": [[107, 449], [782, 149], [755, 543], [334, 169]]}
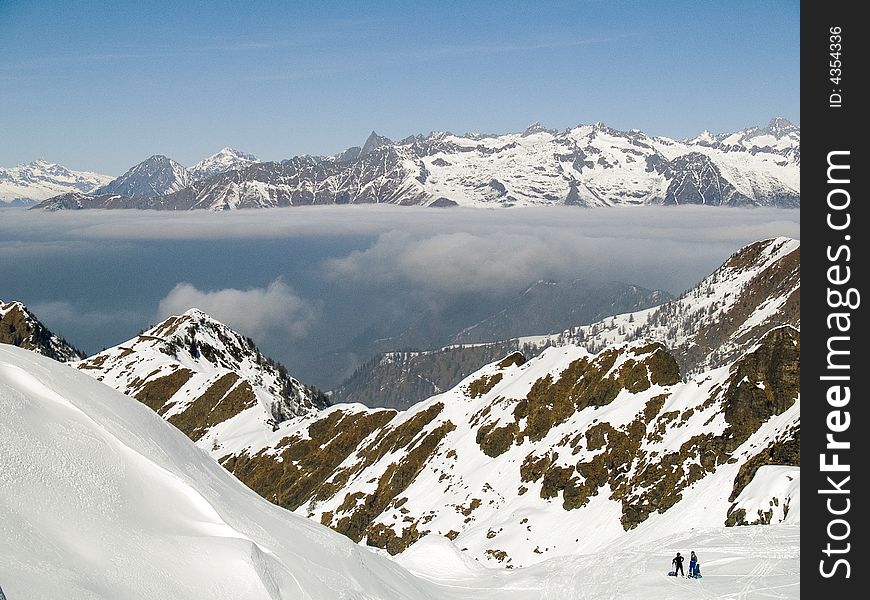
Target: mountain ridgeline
{"points": [[31, 183], [588, 165]]}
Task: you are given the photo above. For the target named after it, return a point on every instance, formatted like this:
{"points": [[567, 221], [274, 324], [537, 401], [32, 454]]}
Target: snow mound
{"points": [[100, 498]]}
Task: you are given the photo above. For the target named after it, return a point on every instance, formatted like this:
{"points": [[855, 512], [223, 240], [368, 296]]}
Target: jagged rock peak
{"points": [[373, 142], [198, 374], [780, 126], [20, 327], [536, 127]]}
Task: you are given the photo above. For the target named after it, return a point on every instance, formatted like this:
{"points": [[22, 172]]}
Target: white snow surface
{"points": [[101, 499], [41, 179], [736, 563]]}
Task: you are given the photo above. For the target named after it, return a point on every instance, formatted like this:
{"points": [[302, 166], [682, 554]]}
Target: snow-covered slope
{"points": [[565, 453], [20, 327], [100, 499], [206, 379], [228, 159], [588, 165], [40, 179], [738, 562], [155, 176]]}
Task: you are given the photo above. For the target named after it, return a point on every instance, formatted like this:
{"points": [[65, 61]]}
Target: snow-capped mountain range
{"points": [[588, 165], [36, 181], [155, 176], [206, 379]]}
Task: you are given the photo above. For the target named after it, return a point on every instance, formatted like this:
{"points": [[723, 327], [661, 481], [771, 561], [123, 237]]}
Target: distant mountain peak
{"points": [[780, 126], [226, 159], [41, 179], [536, 127], [155, 176], [373, 142]]}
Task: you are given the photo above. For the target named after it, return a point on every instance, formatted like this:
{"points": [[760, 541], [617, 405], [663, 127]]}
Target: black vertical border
{"points": [[826, 127]]}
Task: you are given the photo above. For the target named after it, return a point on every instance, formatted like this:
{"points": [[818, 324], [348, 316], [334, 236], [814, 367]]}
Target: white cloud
{"points": [[256, 312], [654, 247]]}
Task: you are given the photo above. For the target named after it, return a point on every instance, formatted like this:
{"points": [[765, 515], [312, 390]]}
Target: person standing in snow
{"points": [[678, 565], [693, 564]]}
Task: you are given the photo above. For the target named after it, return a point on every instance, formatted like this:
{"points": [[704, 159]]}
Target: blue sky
{"points": [[102, 85]]}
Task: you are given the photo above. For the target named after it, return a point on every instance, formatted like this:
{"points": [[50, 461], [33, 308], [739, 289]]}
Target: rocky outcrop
{"points": [[19, 327]]}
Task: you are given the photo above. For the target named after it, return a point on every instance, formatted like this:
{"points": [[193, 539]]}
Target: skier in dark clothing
{"points": [[678, 565], [693, 565]]}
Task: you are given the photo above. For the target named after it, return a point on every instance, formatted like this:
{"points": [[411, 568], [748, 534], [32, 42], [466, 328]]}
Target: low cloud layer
{"points": [[343, 276], [654, 247], [258, 312], [688, 223]]}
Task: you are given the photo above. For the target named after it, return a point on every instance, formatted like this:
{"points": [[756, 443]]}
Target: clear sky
{"points": [[102, 85]]}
